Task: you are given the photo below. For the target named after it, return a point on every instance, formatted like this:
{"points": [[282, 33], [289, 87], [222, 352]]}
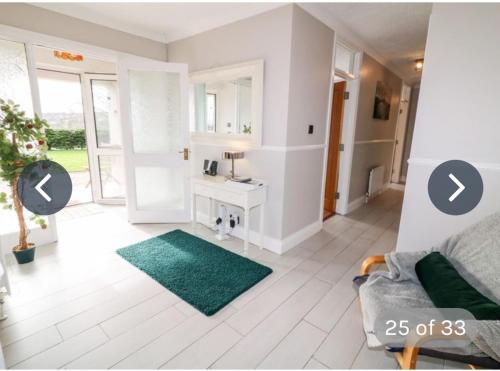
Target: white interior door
{"points": [[155, 128]]}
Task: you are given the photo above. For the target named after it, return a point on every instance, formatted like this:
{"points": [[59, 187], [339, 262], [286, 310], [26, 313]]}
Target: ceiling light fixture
{"points": [[68, 56], [419, 64]]}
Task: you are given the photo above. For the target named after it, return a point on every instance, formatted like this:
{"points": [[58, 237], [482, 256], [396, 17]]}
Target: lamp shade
{"points": [[233, 155]]}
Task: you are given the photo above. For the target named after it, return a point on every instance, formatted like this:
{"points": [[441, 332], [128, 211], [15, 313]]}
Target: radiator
{"points": [[375, 181]]}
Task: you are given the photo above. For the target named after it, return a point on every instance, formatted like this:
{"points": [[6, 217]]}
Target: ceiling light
{"points": [[419, 64]]}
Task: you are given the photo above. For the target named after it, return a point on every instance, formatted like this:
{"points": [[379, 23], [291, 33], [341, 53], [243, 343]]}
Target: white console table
{"points": [[216, 189]]}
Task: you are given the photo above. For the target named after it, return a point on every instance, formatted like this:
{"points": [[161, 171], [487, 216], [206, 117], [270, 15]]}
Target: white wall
{"points": [[457, 118], [44, 21]]}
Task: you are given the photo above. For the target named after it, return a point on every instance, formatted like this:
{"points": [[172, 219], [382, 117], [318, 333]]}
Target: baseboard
{"points": [[272, 244], [397, 186], [303, 234], [358, 202]]}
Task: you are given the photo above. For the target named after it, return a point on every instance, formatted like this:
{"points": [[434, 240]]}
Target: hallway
{"points": [[81, 305]]}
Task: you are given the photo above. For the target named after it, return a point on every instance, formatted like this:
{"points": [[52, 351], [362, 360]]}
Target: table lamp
{"points": [[233, 155]]}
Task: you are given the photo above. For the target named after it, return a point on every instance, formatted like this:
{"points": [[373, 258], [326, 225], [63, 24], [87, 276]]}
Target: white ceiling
{"points": [[163, 22], [396, 32]]}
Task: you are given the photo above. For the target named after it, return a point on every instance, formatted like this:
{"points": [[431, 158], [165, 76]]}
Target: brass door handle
{"points": [[185, 151]]}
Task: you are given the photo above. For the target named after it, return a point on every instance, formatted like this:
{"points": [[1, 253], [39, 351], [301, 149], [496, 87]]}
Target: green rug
{"points": [[205, 275]]}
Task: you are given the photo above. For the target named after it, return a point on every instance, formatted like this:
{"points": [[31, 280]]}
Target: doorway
{"points": [[401, 128], [79, 99], [334, 147], [62, 107]]}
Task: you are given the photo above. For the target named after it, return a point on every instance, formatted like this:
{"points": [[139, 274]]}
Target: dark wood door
{"points": [[333, 148]]}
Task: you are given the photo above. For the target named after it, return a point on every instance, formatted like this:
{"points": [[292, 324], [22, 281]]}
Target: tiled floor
{"points": [[81, 306]]}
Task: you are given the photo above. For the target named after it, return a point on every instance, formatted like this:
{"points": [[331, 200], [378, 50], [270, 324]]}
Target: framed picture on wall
{"points": [[382, 106]]}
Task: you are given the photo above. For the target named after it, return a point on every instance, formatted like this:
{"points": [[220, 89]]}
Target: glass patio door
{"points": [[154, 113], [18, 82], [104, 138]]}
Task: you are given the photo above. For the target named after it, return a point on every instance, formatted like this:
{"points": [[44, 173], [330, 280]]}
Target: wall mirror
{"points": [[226, 104]]}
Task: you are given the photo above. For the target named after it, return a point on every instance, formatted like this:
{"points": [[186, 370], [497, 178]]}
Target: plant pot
{"points": [[25, 256]]}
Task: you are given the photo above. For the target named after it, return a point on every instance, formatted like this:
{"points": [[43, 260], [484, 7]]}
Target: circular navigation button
{"points": [[455, 187], [44, 187]]}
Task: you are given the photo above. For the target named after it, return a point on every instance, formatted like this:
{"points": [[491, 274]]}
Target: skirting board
{"points": [[358, 202], [396, 186], [273, 244]]}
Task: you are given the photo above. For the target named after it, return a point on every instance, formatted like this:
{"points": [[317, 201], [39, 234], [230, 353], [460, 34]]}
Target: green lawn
{"points": [[71, 160]]}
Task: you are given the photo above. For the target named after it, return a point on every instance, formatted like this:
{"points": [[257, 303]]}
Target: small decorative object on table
{"points": [[233, 155], [210, 167]]}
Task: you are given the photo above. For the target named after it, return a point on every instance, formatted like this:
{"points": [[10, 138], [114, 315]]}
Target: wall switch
{"points": [[310, 129]]}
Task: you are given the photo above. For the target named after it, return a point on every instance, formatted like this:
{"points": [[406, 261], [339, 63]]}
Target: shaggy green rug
{"points": [[205, 275]]}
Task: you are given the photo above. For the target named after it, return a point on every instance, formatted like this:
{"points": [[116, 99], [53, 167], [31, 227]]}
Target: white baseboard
{"points": [[353, 205], [358, 202], [303, 234], [272, 244], [397, 186]]}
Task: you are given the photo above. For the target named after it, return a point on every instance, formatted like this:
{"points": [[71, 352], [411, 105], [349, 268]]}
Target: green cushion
{"points": [[447, 289]]}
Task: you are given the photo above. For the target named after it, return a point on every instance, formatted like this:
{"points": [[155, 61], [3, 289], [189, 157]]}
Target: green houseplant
{"points": [[22, 142]]}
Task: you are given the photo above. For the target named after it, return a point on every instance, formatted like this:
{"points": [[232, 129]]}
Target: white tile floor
{"points": [[81, 306]]}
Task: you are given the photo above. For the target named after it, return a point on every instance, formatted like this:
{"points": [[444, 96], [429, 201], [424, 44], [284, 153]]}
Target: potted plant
{"points": [[22, 142]]}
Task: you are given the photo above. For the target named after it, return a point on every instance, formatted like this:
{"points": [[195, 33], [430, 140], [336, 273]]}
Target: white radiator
{"points": [[376, 181]]}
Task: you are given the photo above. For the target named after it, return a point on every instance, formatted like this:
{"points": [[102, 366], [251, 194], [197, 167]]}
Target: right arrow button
{"points": [[444, 193], [460, 187]]}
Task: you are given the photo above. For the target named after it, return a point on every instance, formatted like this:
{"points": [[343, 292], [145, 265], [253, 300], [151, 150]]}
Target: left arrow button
{"points": [[39, 186], [44, 187]]}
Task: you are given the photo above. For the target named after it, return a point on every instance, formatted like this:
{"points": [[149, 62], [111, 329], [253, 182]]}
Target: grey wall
{"points": [[457, 118], [266, 36], [369, 155], [36, 19], [412, 114], [297, 53], [310, 71]]}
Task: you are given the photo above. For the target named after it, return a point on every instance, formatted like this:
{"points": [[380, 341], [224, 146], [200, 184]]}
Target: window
{"points": [[344, 59], [211, 112]]}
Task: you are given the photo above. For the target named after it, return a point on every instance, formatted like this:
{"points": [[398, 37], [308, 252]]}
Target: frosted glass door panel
{"points": [[14, 79], [111, 172], [106, 114], [15, 86], [155, 126], [155, 107], [159, 188]]}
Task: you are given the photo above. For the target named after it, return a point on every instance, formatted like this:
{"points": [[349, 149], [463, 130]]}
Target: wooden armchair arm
{"points": [[407, 359], [368, 262]]}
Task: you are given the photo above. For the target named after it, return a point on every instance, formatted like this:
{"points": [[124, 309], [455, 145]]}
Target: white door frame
{"points": [[30, 39], [37, 235], [401, 125], [93, 148], [348, 132]]}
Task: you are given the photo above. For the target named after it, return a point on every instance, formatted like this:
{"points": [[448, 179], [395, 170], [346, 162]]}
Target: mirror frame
{"points": [[253, 69]]}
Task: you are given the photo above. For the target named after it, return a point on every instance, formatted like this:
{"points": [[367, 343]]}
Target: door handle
{"points": [[185, 151]]}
